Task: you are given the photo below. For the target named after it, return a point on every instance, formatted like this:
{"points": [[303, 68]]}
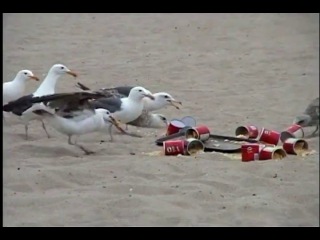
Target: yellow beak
{"points": [[72, 73], [175, 103]]}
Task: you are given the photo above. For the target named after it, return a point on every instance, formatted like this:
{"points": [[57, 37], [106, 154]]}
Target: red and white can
{"points": [[193, 146], [250, 151], [294, 131], [248, 131], [201, 132], [269, 136], [267, 153], [295, 145], [174, 126], [174, 147]]}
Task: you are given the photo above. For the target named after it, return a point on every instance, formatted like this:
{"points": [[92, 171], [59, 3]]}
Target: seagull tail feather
{"points": [[43, 112], [82, 87]]}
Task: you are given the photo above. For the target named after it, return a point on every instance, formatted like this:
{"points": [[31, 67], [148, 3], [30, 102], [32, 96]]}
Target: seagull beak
{"points": [[149, 96], [34, 78], [72, 73], [116, 123], [175, 103]]}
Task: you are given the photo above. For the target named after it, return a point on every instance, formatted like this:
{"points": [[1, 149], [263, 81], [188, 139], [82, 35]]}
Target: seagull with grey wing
{"points": [[146, 119], [47, 87], [310, 116], [125, 109], [69, 113]]}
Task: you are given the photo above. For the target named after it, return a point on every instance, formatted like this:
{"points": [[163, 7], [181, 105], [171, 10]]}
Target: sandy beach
{"points": [[227, 69]]}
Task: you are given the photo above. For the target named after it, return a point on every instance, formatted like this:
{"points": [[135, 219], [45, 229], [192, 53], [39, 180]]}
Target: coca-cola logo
{"points": [[172, 149]]}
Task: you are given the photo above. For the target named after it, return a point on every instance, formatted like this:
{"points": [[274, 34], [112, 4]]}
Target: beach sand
{"points": [[227, 69]]}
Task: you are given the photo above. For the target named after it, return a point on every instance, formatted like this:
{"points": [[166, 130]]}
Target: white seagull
{"points": [[15, 89], [150, 120], [70, 114], [124, 109], [47, 87], [146, 119], [161, 99]]}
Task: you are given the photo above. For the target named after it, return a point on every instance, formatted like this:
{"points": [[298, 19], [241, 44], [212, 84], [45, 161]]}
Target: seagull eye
{"points": [[166, 96], [25, 73], [62, 67], [140, 90]]}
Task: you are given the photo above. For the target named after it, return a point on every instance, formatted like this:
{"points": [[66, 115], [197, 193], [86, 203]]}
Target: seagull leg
{"points": [[45, 129], [87, 152], [26, 131], [126, 126], [110, 133], [317, 128]]}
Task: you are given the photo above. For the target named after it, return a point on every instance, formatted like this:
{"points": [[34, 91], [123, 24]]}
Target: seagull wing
{"points": [[121, 91], [107, 92], [19, 106], [113, 104], [71, 105]]}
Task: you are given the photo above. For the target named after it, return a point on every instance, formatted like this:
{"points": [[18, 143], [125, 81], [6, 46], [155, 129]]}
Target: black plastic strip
{"points": [[160, 141]]}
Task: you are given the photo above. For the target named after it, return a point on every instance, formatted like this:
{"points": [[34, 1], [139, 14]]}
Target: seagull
{"points": [[15, 89], [47, 87], [124, 109], [70, 113], [146, 119], [161, 99], [310, 116], [150, 120]]}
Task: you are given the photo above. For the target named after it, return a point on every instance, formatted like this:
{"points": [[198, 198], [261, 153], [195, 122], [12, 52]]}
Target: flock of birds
{"points": [[85, 111]]}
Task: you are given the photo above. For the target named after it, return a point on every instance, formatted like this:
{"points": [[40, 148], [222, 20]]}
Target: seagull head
{"points": [[162, 118], [27, 74], [302, 120], [163, 99], [138, 93], [61, 69], [109, 119]]}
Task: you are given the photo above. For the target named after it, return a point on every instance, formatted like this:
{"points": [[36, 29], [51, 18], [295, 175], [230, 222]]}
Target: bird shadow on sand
{"points": [[311, 136], [32, 137], [39, 151]]}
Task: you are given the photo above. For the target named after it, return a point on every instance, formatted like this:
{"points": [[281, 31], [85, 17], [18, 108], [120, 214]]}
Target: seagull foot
{"points": [[89, 152], [86, 151], [314, 134], [45, 129]]}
